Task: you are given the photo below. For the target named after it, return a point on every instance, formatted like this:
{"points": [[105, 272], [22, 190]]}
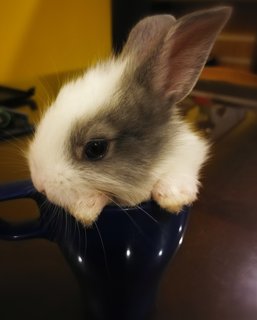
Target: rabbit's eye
{"points": [[96, 149]]}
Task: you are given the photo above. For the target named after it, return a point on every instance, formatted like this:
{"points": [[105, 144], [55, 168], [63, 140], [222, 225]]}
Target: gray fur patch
{"points": [[140, 125]]}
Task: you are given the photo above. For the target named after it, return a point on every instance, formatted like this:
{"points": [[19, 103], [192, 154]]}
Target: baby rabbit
{"points": [[115, 135]]}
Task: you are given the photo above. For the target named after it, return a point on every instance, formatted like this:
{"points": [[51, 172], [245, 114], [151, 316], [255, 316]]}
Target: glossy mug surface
{"points": [[118, 261]]}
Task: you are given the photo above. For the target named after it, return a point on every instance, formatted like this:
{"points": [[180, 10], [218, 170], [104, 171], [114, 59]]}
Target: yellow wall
{"points": [[41, 37]]}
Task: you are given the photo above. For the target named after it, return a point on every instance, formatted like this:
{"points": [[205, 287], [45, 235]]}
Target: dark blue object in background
{"points": [[118, 261]]}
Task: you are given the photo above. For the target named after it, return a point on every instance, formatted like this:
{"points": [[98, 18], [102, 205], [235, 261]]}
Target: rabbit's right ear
{"points": [[146, 35]]}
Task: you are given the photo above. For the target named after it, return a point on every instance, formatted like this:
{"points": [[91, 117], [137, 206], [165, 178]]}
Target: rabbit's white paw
{"points": [[173, 193]]}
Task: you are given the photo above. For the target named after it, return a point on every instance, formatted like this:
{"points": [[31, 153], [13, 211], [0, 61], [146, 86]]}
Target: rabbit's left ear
{"points": [[184, 51], [146, 35]]}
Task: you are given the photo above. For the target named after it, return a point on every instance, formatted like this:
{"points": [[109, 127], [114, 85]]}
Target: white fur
{"points": [[179, 173], [82, 97], [50, 170]]}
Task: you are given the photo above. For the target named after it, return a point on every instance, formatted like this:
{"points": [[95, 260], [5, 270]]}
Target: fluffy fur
{"points": [[131, 101]]}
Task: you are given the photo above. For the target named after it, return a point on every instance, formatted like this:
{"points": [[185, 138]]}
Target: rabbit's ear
{"points": [[183, 53], [146, 35]]}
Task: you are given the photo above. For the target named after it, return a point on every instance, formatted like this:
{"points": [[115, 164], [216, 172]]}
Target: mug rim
{"points": [[116, 207]]}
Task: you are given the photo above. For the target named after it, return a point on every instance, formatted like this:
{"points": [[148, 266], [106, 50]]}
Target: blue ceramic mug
{"points": [[118, 261]]}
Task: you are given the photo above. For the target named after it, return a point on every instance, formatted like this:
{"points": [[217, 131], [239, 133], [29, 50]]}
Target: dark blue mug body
{"points": [[118, 261]]}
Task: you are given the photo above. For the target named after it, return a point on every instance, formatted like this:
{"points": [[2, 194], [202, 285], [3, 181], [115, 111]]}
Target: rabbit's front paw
{"points": [[173, 194]]}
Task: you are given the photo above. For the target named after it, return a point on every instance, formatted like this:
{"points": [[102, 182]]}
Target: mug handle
{"points": [[20, 231]]}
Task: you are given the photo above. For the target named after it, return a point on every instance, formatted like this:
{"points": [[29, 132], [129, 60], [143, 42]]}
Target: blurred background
{"points": [[45, 43]]}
